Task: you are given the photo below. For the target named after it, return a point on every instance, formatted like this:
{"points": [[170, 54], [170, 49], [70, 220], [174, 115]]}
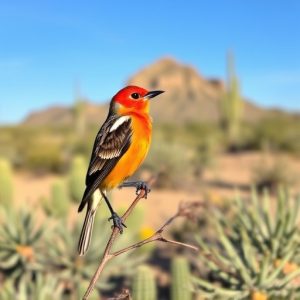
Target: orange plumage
{"points": [[120, 147], [135, 155]]}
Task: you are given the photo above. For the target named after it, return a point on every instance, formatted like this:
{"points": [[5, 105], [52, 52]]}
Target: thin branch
{"points": [[187, 210], [183, 211], [107, 255]]}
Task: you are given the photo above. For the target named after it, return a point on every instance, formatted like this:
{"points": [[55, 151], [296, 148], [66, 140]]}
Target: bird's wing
{"points": [[112, 141]]}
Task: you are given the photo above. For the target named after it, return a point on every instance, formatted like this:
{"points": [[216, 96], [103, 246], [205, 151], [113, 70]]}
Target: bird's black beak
{"points": [[152, 94]]}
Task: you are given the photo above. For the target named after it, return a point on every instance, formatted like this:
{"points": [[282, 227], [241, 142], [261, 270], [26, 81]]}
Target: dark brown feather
{"points": [[108, 148]]}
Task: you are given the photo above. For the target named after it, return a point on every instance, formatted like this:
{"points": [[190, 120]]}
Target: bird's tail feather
{"points": [[87, 228], [86, 231]]}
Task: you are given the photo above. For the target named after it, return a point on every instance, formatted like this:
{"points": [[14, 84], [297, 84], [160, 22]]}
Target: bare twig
{"points": [[187, 210], [183, 211], [125, 295]]}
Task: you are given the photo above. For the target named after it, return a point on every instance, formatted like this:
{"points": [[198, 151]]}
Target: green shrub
{"points": [[43, 157], [169, 167], [278, 133], [271, 175]]}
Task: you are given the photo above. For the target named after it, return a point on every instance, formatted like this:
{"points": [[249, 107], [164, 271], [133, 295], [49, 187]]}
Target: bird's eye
{"points": [[135, 96]]}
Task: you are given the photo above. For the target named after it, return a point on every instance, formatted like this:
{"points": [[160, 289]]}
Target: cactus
{"points": [[20, 242], [6, 184], [144, 286], [231, 105], [77, 178], [277, 234], [41, 288], [259, 252], [59, 204], [181, 279]]}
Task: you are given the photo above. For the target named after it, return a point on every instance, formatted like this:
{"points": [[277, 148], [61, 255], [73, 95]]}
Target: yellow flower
{"points": [[257, 295], [215, 198], [146, 232], [25, 251], [288, 267]]}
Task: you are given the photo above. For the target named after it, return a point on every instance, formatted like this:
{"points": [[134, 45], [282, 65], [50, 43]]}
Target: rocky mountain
{"points": [[60, 115], [189, 97]]}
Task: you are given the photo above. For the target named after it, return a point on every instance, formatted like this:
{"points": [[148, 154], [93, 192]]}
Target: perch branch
{"points": [[187, 210], [183, 211]]}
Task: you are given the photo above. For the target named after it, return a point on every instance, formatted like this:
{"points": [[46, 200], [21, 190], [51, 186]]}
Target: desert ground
{"points": [[229, 172]]}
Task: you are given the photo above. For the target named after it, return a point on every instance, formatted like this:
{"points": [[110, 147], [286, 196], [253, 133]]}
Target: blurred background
{"points": [[228, 121]]}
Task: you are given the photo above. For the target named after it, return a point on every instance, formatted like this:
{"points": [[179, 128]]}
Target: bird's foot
{"points": [[139, 185], [142, 185], [117, 222]]}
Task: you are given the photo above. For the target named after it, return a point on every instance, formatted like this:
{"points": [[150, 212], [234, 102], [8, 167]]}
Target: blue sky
{"points": [[47, 46]]}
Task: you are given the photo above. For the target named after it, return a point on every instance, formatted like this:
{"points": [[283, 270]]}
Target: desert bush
{"points": [[278, 133], [256, 252], [44, 157], [169, 167], [271, 175]]}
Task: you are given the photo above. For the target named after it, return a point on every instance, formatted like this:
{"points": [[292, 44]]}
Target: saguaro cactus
{"points": [[181, 279], [58, 204], [144, 287], [6, 184], [77, 178], [231, 104]]}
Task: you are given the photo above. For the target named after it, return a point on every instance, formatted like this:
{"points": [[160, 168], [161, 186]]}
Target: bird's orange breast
{"points": [[135, 155]]}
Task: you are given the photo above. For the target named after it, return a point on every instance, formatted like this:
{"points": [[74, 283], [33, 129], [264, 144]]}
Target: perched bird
{"points": [[120, 147]]}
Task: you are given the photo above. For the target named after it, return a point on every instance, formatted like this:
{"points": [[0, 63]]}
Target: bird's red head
{"points": [[133, 98]]}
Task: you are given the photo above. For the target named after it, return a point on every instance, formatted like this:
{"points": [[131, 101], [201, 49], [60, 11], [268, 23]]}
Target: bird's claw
{"points": [[142, 185], [117, 222]]}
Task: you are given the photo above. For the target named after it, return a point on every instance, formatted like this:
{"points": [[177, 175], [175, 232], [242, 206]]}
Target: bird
{"points": [[120, 147]]}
